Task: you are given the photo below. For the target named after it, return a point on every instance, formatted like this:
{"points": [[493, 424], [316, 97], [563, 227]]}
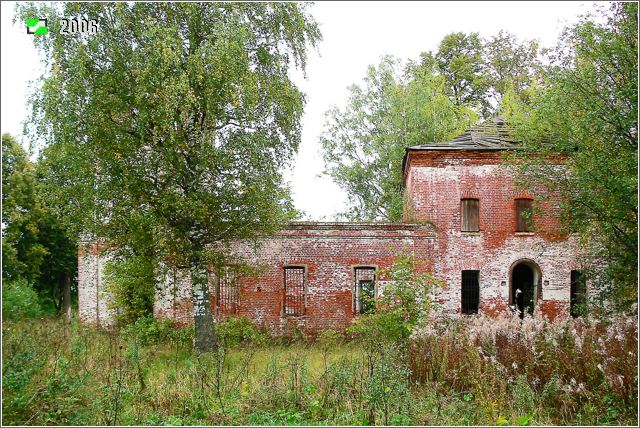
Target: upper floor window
{"points": [[294, 285], [524, 215], [470, 213], [365, 290]]}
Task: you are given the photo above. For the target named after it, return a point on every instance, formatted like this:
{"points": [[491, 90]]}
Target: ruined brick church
{"points": [[464, 217]]}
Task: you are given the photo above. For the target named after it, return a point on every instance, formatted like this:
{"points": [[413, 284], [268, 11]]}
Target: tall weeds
{"points": [[473, 371], [557, 369]]}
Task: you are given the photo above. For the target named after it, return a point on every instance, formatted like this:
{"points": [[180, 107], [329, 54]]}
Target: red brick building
{"points": [[493, 246]]}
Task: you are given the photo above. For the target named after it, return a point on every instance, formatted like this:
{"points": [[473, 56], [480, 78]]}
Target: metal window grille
{"points": [[524, 215], [365, 289], [470, 291], [227, 291], [470, 209], [294, 291]]}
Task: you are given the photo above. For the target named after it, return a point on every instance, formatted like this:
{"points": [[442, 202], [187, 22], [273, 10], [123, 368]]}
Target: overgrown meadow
{"points": [[469, 371]]}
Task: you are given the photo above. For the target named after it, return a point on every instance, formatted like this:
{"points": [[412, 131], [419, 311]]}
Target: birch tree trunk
{"points": [[205, 339]]}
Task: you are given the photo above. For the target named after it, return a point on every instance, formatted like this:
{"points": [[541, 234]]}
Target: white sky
{"points": [[355, 34]]}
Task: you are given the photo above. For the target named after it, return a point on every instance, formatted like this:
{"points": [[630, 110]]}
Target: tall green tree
{"points": [[587, 111], [22, 252], [175, 120], [364, 143], [460, 60], [479, 72], [60, 264], [512, 66], [35, 244]]}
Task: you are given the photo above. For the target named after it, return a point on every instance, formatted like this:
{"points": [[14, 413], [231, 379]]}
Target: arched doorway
{"points": [[525, 280]]}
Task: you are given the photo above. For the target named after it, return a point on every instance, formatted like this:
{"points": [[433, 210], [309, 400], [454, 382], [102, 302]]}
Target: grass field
{"points": [[57, 372]]}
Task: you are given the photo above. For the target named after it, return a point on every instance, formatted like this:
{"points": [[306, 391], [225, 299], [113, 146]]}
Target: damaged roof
{"points": [[492, 134]]}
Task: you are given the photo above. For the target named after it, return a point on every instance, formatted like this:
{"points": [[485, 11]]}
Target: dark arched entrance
{"points": [[522, 288]]}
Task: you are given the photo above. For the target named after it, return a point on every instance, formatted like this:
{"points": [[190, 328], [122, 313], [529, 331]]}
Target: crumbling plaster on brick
{"points": [[94, 306], [434, 185]]}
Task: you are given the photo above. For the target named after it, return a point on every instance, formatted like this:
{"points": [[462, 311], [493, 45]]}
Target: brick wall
{"points": [[93, 302], [328, 251], [436, 181]]}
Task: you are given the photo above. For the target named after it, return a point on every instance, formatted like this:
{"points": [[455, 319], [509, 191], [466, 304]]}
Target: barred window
{"points": [[227, 291], [470, 295], [470, 210], [294, 284], [524, 215], [365, 290]]}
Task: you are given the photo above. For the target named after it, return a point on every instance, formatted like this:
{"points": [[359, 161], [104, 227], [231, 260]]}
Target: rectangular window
{"points": [[470, 295], [365, 290], [524, 215], [470, 211], [578, 293], [294, 282], [227, 291]]}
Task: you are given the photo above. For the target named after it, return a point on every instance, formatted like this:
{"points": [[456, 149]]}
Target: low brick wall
{"points": [[329, 252]]}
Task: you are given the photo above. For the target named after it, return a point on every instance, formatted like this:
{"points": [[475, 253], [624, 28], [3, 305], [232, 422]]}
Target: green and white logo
{"points": [[37, 26]]}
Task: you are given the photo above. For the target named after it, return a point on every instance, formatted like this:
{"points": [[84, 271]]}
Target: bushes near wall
{"points": [[19, 300], [131, 281]]}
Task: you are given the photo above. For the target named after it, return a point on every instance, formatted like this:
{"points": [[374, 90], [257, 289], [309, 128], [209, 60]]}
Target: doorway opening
{"points": [[525, 287]]}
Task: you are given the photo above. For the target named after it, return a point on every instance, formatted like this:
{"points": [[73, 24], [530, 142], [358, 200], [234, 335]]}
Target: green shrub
{"points": [[405, 302], [150, 331], [235, 330], [131, 281], [19, 300]]}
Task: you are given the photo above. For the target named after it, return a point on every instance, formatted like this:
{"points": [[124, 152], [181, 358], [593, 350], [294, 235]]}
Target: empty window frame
{"points": [[524, 215], [470, 293], [227, 291], [470, 214], [294, 285], [578, 293], [365, 290]]}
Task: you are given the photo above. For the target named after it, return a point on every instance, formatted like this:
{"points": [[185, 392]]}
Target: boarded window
{"points": [[578, 293], [365, 290], [294, 291], [470, 209], [524, 215], [227, 291], [470, 295]]}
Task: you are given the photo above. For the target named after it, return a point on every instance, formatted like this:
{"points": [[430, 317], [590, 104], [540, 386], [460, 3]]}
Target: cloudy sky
{"points": [[355, 34]]}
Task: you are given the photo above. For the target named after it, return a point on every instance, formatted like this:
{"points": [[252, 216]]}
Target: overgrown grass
{"points": [[55, 372]]}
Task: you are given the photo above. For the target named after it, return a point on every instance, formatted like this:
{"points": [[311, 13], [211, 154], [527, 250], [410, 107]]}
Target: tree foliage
{"points": [[512, 67], [131, 280], [22, 253], [459, 60], [363, 144], [35, 245], [586, 109], [404, 303], [433, 99], [173, 123]]}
